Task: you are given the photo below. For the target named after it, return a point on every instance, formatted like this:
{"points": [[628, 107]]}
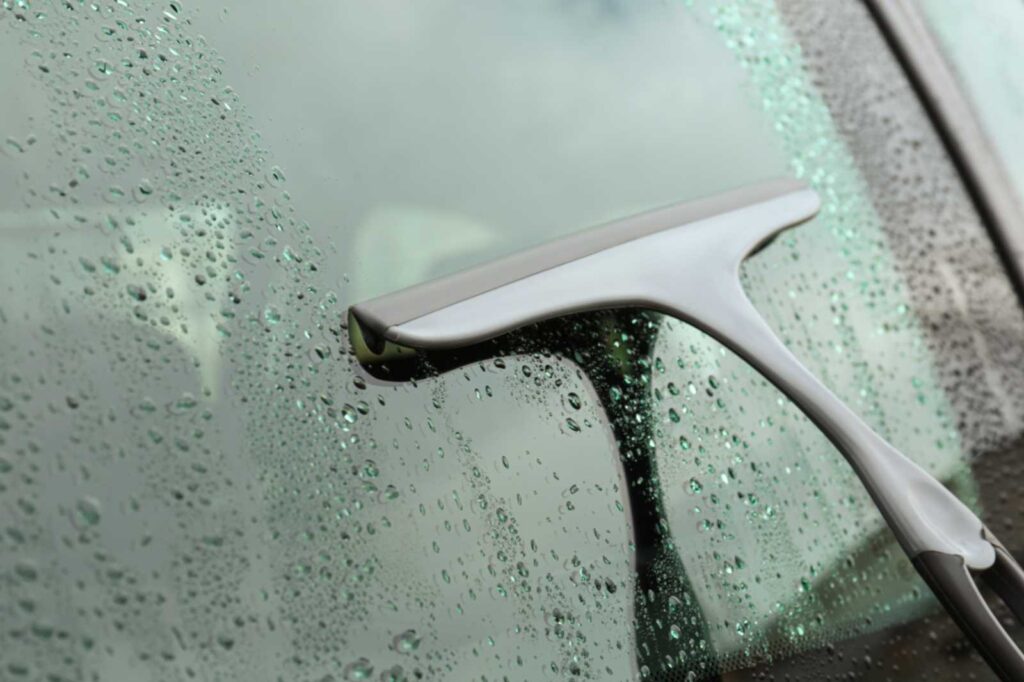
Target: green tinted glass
{"points": [[196, 477], [432, 137]]}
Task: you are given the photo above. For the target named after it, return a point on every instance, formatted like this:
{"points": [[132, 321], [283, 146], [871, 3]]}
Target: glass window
{"points": [[984, 43], [197, 479], [965, 312], [433, 137]]}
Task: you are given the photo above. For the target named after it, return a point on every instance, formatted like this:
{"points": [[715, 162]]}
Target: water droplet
{"points": [[142, 191], [360, 669], [102, 69], [87, 512], [26, 570], [393, 674], [186, 402], [406, 642], [136, 292], [276, 176]]}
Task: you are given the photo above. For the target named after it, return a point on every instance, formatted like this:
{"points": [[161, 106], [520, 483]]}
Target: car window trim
{"points": [[940, 93]]}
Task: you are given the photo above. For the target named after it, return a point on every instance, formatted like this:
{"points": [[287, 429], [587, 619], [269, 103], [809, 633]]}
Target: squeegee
{"points": [[683, 260]]}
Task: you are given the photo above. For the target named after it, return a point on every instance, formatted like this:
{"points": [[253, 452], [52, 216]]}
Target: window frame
{"points": [[989, 186]]}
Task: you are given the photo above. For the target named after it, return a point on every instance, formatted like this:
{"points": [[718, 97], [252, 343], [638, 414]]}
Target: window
{"points": [[198, 479], [982, 44]]}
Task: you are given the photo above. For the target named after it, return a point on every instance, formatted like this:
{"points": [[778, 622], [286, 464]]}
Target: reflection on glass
{"points": [[427, 138]]}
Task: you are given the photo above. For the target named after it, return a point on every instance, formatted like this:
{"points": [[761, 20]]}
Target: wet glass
{"points": [[432, 138], [196, 477]]}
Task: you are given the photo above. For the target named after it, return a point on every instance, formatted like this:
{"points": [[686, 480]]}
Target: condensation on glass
{"points": [[197, 480]]}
